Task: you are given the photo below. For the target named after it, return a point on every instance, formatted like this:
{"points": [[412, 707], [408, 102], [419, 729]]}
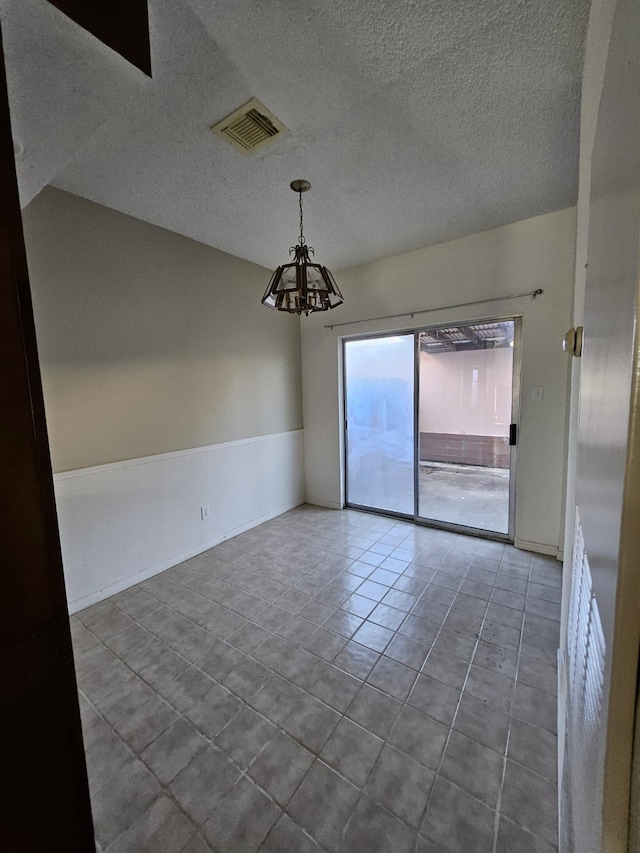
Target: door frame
{"points": [[516, 384], [44, 785]]}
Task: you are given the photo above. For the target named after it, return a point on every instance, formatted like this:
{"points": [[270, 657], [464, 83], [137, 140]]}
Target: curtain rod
{"points": [[531, 293]]}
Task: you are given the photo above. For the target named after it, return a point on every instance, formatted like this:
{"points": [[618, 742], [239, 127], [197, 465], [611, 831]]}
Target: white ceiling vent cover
{"points": [[250, 127]]}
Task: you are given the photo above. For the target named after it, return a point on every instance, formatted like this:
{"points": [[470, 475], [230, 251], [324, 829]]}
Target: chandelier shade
{"points": [[301, 286]]}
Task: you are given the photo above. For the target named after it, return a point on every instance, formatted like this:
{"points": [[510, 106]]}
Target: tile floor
{"points": [[328, 681]]}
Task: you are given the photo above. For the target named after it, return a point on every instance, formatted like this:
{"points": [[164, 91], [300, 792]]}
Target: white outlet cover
{"points": [[204, 513], [538, 392]]}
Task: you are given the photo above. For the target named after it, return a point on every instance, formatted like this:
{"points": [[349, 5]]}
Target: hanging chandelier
{"points": [[301, 286]]}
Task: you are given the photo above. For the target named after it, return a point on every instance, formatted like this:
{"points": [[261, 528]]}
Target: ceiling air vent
{"points": [[250, 127]]}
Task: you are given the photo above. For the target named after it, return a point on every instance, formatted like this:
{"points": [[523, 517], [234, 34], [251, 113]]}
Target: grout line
{"points": [[455, 714], [498, 813]]}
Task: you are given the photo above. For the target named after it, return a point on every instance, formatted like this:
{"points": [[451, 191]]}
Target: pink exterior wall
{"points": [[451, 402]]}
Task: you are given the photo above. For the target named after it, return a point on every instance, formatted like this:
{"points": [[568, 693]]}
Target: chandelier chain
{"points": [[302, 240]]}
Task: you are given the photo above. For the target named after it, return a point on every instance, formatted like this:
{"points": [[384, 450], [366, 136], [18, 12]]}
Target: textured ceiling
{"points": [[416, 121]]}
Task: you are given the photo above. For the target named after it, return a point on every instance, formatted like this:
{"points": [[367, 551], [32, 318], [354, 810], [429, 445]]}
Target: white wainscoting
{"points": [[124, 522]]}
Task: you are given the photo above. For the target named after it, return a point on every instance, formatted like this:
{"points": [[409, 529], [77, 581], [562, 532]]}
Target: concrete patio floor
{"points": [[465, 494]]}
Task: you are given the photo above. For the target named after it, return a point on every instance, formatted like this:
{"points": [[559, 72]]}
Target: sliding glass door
{"points": [[379, 422], [430, 424], [465, 405]]}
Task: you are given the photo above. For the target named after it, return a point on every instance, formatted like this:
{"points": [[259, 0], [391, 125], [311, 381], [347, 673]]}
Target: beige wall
{"points": [[151, 342], [526, 255]]}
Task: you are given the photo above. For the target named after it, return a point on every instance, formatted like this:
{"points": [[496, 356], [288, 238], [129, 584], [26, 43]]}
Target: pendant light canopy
{"points": [[302, 286]]}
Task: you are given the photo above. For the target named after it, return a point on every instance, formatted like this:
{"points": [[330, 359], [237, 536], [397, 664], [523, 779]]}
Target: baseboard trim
{"points": [[319, 502], [537, 547], [561, 729], [124, 583]]}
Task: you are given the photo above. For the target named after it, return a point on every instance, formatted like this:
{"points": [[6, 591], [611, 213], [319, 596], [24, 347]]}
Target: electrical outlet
{"points": [[538, 392], [204, 513]]}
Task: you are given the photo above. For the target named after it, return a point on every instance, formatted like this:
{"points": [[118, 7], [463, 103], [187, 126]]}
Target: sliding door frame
{"points": [[515, 419]]}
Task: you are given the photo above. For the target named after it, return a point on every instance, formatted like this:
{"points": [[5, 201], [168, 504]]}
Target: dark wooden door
{"points": [[44, 797]]}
